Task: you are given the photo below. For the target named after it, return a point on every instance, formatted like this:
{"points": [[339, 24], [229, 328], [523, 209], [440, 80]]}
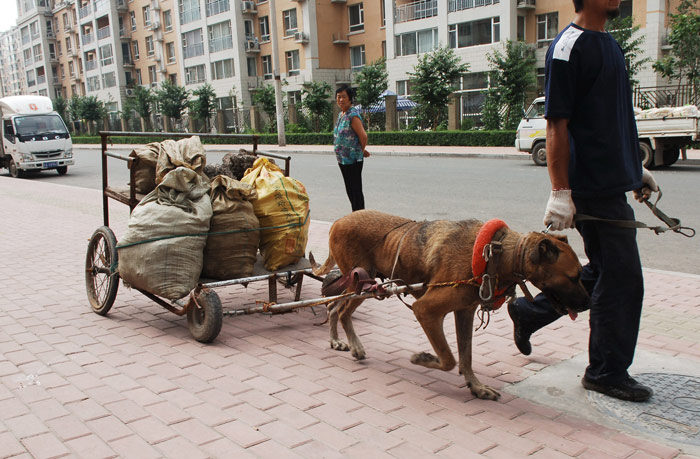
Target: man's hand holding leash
{"points": [[648, 186], [560, 211]]}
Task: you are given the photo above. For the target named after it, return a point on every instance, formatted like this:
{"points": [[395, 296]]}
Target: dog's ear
{"points": [[545, 252], [561, 237]]}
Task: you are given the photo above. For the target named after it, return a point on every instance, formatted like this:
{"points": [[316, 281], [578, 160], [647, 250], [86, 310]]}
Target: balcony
{"points": [[125, 33], [459, 5], [415, 11], [50, 34], [121, 6], [220, 44], [301, 37], [248, 7], [340, 38], [217, 6], [67, 27], [87, 38], [29, 61], [526, 4], [196, 49], [252, 46], [192, 14], [41, 79], [53, 58], [101, 5], [84, 12], [90, 65], [128, 62], [35, 36], [104, 32]]}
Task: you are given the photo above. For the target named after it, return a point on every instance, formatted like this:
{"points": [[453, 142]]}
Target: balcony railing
{"points": [[193, 50], [104, 32], [35, 36], [31, 83], [458, 5], [221, 43], [88, 38], [416, 10], [101, 5], [90, 65], [41, 79], [193, 14], [217, 6], [29, 61], [84, 11], [26, 39]]}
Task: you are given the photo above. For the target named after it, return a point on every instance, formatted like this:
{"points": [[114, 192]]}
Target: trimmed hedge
{"points": [[437, 138]]}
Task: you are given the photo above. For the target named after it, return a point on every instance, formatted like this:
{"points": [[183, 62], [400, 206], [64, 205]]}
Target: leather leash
{"points": [[673, 224]]}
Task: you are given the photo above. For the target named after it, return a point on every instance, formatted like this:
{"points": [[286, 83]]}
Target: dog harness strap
{"points": [[485, 257], [484, 237]]}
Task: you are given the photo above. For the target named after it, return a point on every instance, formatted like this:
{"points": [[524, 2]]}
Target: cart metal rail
{"points": [[203, 306]]}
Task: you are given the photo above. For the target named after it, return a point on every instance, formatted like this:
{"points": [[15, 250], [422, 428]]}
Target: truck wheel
{"points": [[646, 154], [539, 154], [62, 170], [671, 155], [205, 320], [14, 170]]}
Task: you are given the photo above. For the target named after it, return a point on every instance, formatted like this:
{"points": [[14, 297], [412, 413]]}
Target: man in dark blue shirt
{"points": [[593, 160]]}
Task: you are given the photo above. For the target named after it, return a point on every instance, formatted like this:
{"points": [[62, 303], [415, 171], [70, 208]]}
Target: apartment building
{"points": [[35, 26], [13, 81]]}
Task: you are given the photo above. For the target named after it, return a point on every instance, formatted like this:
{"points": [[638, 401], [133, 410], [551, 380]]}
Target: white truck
{"points": [[663, 133], [34, 136]]}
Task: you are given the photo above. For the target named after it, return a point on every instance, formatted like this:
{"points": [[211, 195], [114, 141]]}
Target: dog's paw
{"points": [[425, 359], [339, 345], [359, 354], [484, 392]]}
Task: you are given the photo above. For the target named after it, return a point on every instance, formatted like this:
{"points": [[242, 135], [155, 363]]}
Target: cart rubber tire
{"points": [[14, 170], [671, 155], [101, 283], [646, 154], [539, 154], [205, 323], [62, 170]]}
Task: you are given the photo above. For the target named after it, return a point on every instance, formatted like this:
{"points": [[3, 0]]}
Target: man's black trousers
{"points": [[613, 278], [352, 176]]}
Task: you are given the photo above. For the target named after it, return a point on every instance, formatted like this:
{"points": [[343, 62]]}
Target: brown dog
{"points": [[441, 251]]}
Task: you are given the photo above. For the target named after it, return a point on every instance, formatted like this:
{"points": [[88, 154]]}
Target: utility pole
{"points": [[281, 139]]}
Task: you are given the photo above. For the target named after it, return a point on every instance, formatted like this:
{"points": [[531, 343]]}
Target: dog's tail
{"points": [[323, 269]]}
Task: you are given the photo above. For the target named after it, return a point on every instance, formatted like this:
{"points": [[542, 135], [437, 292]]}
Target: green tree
{"points": [[74, 111], [512, 76], [371, 81], [92, 110], [316, 99], [623, 31], [433, 79], [264, 99], [143, 104], [489, 113], [173, 100], [204, 106], [61, 106], [683, 62]]}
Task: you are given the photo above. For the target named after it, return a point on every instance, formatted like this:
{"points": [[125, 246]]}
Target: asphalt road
{"points": [[430, 188]]}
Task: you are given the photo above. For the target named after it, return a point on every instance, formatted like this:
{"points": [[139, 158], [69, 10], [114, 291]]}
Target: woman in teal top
{"points": [[350, 140]]}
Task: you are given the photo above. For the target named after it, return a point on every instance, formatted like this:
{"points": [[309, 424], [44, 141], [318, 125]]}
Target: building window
{"points": [[68, 45], [474, 33], [290, 22], [264, 29], [195, 74], [422, 41], [547, 28], [540, 81], [292, 62], [170, 52], [520, 34], [146, 15], [192, 43], [136, 49], [152, 75], [625, 8], [404, 88], [222, 69], [109, 80], [220, 36], [252, 67], [132, 19], [93, 83], [59, 48], [357, 58], [106, 56], [173, 78], [168, 20], [357, 17], [139, 80], [189, 11], [216, 6], [150, 49], [267, 67]]}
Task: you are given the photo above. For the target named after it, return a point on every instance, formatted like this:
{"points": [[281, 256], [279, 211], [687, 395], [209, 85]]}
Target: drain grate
{"points": [[673, 412]]}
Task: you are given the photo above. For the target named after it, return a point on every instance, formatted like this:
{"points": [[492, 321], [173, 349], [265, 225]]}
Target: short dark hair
{"points": [[348, 90], [578, 5]]}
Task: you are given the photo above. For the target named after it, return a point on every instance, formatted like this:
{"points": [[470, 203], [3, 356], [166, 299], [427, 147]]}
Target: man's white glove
{"points": [[560, 210], [648, 186]]}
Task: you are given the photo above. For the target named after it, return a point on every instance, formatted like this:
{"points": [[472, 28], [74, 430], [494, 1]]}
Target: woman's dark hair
{"points": [[578, 5], [348, 90]]}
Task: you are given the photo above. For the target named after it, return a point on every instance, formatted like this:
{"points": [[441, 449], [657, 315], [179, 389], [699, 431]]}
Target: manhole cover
{"points": [[673, 412]]}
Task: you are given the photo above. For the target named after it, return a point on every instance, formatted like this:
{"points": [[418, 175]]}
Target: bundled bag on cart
{"points": [[145, 166], [162, 250], [283, 210], [187, 153], [234, 233]]}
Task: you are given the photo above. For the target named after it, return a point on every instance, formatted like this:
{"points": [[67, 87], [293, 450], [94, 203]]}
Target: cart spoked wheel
{"points": [[205, 317], [100, 280]]}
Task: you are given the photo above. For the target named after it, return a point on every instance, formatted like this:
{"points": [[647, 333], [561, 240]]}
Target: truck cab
{"points": [[34, 136], [531, 134]]}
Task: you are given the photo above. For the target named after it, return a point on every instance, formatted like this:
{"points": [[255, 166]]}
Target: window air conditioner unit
{"points": [[155, 25], [129, 92], [251, 45], [248, 6], [300, 37]]}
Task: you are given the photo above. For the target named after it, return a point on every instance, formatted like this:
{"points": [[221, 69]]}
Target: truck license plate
{"points": [[50, 164]]}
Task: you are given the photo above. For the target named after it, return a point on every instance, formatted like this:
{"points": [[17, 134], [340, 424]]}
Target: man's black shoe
{"points": [[629, 389], [520, 336]]}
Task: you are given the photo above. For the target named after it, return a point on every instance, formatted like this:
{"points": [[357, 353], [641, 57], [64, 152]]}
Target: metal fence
{"points": [[665, 96]]}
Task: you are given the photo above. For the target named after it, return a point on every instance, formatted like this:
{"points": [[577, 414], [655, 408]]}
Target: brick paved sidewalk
{"points": [[135, 384]]}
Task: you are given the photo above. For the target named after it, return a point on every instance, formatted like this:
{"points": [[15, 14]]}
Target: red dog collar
{"points": [[485, 235]]}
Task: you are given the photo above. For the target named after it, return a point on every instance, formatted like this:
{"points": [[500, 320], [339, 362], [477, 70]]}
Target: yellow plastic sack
{"points": [[282, 208]]}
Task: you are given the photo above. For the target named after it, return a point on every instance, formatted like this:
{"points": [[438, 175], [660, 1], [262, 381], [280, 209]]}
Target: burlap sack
{"points": [[283, 208], [231, 255], [167, 267], [145, 167], [188, 153]]}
